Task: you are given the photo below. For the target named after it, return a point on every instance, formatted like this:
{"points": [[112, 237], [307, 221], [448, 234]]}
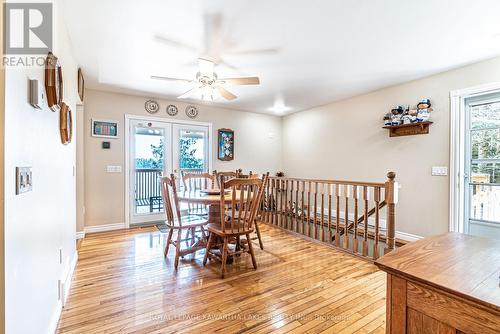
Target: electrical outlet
{"points": [[439, 171], [113, 169]]}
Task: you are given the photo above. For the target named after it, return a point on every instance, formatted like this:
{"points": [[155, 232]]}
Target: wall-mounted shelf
{"points": [[421, 128]]}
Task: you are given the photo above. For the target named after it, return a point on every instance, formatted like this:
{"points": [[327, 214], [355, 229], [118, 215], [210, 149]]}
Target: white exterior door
{"points": [[482, 166]]}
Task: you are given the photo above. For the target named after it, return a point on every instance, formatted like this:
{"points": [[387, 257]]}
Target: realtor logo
{"points": [[28, 28]]}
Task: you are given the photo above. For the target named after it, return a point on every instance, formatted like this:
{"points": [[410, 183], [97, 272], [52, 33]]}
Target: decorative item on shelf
{"points": [[191, 111], [65, 124], [388, 119], [280, 174], [172, 110], [104, 128], [53, 82], [403, 121], [151, 106], [81, 84], [424, 110], [225, 150]]}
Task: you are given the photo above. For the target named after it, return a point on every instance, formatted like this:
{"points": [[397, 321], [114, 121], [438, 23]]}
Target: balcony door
{"points": [[158, 147], [482, 166]]}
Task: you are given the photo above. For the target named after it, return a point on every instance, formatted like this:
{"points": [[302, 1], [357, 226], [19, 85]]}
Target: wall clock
{"points": [[191, 111], [172, 110], [65, 123], [53, 82], [151, 106]]}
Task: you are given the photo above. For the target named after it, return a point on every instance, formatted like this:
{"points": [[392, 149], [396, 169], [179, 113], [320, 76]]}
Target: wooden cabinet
{"points": [[444, 284]]}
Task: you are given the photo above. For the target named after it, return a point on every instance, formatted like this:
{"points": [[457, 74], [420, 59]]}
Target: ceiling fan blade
{"points": [[270, 51], [156, 77], [188, 93], [226, 94], [174, 43], [241, 81], [206, 67]]}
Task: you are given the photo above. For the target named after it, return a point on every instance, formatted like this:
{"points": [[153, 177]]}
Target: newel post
{"points": [[391, 198]]}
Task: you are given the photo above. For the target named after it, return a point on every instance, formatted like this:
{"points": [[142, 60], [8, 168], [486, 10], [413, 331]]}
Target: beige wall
{"points": [[345, 140], [80, 168], [257, 148], [41, 222]]}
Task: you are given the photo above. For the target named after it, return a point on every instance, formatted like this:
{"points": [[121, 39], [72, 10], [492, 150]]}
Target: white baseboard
{"points": [[104, 228], [407, 236], [69, 277], [67, 285], [80, 235]]}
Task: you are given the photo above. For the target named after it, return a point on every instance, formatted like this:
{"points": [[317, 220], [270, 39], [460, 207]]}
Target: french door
{"points": [[482, 166], [157, 147]]}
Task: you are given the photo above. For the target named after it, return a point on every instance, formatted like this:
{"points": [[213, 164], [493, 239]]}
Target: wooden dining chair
{"points": [[193, 182], [222, 177], [186, 225], [246, 197]]}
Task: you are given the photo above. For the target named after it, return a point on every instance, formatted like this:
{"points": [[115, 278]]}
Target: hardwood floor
{"points": [[122, 284]]}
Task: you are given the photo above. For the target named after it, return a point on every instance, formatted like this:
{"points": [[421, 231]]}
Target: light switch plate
{"points": [[24, 180], [439, 171]]}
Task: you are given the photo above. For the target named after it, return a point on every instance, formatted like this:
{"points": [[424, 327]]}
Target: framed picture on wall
{"points": [[104, 128], [225, 145]]}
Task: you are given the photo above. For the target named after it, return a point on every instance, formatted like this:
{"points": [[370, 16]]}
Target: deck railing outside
{"points": [[344, 214], [147, 187]]}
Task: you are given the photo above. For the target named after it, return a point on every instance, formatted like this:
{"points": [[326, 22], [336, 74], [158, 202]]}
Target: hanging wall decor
{"points": [[191, 111], [65, 123], [225, 145], [81, 84], [151, 106], [104, 128], [172, 110], [53, 82]]}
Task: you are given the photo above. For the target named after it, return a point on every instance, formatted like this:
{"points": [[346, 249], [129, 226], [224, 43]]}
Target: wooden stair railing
{"points": [[326, 210]]}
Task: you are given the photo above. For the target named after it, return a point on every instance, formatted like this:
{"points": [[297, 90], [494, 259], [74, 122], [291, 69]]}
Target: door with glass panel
{"points": [[482, 177], [190, 149], [150, 152]]}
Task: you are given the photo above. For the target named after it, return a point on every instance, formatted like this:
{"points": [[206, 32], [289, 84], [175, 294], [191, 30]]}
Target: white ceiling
{"points": [[324, 50]]}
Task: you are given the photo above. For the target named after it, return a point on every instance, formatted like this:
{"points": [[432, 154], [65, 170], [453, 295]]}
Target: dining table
{"points": [[210, 198]]}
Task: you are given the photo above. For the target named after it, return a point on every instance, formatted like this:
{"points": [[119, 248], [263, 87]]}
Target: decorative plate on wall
{"points": [[65, 124], [191, 111], [172, 110], [53, 82], [81, 84], [151, 106]]}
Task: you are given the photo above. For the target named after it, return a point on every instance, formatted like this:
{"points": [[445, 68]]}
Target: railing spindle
{"points": [[365, 232], [337, 215]]}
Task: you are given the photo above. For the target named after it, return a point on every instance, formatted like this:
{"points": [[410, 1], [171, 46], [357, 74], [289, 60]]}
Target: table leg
{"points": [[215, 218]]}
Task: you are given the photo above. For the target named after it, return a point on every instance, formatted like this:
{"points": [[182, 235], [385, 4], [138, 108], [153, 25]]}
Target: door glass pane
{"points": [[485, 144], [485, 115], [485, 172], [149, 164], [485, 203], [192, 151]]}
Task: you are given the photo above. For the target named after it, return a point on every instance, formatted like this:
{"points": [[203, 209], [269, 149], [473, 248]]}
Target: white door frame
{"points": [[457, 150], [128, 118]]}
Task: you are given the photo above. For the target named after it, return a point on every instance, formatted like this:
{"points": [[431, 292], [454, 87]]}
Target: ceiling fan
{"points": [[207, 85]]}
